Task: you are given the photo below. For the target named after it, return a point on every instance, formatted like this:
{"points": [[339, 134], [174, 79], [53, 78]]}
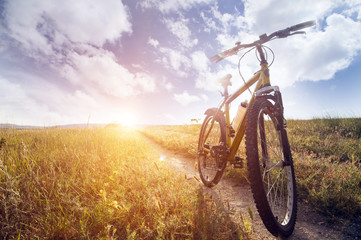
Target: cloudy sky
{"points": [[147, 61]]}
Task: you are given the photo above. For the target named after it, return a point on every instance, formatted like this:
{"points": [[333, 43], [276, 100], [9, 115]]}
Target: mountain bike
{"points": [[269, 159]]}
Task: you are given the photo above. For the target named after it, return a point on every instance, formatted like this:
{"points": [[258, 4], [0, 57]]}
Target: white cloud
{"points": [[209, 80], [354, 9], [145, 82], [39, 25], [175, 60], [223, 23], [167, 6], [207, 76], [92, 21], [181, 31], [69, 38], [227, 21], [200, 61], [210, 24], [167, 85], [12, 93], [204, 97], [103, 73], [153, 42], [264, 16], [316, 56], [320, 54], [186, 99], [47, 104], [19, 105]]}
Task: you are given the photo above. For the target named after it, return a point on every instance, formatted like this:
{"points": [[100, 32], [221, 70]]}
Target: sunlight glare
{"points": [[126, 119]]}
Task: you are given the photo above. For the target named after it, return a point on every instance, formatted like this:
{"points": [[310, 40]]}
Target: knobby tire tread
{"points": [[255, 175]]}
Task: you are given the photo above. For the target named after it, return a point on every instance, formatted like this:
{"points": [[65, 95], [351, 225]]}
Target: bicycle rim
{"points": [[277, 177], [272, 180], [210, 166]]}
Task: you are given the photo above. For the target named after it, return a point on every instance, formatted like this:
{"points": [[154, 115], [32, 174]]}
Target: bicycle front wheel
{"points": [[270, 168], [212, 141]]}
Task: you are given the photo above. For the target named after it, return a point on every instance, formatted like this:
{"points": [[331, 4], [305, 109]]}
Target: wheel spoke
{"points": [[273, 185]]}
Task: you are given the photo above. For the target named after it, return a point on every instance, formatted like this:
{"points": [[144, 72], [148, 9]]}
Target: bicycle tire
{"points": [[210, 167], [270, 168]]}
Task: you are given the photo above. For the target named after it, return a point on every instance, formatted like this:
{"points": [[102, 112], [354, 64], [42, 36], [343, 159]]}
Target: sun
{"points": [[123, 117], [127, 119]]}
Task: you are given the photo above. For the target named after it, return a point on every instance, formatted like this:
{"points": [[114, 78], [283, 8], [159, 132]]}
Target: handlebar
{"points": [[263, 39]]}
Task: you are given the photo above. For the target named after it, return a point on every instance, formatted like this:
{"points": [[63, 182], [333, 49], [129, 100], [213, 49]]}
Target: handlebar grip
{"points": [[302, 25], [216, 58], [224, 54]]}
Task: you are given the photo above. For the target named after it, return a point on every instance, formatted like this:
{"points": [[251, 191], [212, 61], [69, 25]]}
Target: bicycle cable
{"points": [[239, 67], [264, 48]]}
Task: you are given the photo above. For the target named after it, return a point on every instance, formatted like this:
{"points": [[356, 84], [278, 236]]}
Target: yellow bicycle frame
{"points": [[262, 79]]}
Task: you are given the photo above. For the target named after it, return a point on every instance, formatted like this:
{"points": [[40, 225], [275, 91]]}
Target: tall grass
{"points": [[333, 188], [101, 184], [327, 157], [337, 139], [182, 139]]}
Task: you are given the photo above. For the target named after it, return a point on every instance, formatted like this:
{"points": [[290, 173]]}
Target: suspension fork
{"points": [[281, 122], [282, 127], [263, 140]]}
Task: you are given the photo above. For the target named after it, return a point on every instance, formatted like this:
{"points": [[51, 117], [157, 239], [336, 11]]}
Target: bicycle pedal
{"points": [[238, 163]]}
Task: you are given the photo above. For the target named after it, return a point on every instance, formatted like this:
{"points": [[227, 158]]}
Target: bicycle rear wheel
{"points": [[211, 144], [270, 168]]}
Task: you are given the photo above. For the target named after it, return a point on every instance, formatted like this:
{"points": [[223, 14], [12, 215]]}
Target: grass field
{"points": [[99, 184], [108, 184], [327, 157]]}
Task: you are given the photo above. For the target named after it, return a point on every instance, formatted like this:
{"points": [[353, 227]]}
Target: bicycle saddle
{"points": [[225, 81]]}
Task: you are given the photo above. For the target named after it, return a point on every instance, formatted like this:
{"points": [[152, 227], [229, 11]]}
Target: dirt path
{"points": [[237, 199]]}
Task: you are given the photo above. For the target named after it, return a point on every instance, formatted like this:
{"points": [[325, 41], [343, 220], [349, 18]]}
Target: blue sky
{"points": [[147, 61]]}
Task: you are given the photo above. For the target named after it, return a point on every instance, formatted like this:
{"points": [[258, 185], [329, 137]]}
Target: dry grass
{"points": [[327, 157], [180, 138], [99, 184]]}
